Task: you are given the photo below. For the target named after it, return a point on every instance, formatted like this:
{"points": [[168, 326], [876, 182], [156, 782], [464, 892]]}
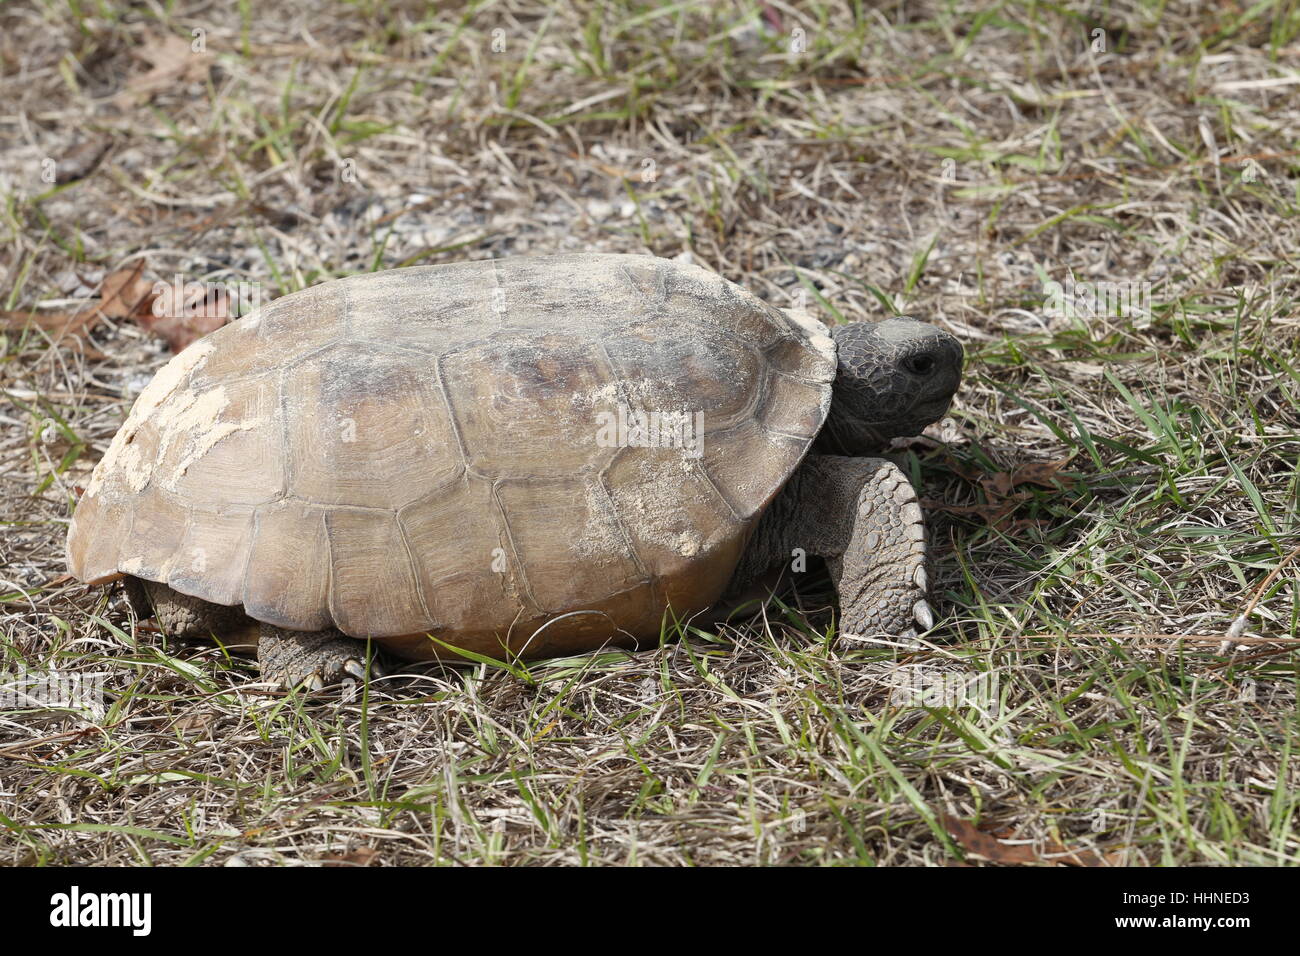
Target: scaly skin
{"points": [[286, 658], [313, 658], [861, 515], [181, 616]]}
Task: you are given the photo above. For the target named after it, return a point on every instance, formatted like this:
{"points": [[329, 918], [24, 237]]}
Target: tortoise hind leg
{"points": [[287, 658], [314, 658], [188, 618]]}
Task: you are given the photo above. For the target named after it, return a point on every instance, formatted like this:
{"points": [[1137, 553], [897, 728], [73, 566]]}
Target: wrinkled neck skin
{"points": [[855, 439], [849, 430]]}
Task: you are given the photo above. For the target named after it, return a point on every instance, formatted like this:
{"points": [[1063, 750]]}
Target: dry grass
{"points": [[939, 158]]}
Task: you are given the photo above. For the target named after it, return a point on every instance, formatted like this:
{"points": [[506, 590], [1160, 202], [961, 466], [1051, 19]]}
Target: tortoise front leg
{"points": [[862, 516]]}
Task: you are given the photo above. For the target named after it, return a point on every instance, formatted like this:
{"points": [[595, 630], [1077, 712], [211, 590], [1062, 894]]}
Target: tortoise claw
{"points": [[357, 668], [924, 616], [312, 659]]}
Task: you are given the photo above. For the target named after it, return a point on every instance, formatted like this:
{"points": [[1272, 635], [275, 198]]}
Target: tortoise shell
{"points": [[466, 451]]}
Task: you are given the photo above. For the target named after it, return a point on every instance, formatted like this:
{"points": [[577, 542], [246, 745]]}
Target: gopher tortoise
{"points": [[518, 457]]}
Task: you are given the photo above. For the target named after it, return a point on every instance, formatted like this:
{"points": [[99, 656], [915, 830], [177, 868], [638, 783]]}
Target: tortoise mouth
{"points": [[932, 410], [919, 417]]}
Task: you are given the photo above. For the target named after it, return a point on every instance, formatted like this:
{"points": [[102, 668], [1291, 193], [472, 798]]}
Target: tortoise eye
{"points": [[919, 364]]}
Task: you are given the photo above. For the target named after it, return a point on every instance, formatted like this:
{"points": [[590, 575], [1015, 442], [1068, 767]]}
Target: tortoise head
{"points": [[894, 378]]}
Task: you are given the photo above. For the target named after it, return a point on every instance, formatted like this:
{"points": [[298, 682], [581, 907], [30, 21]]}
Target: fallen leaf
{"points": [[171, 61], [127, 294], [994, 513], [976, 841], [963, 469], [1041, 473], [124, 292], [194, 722], [58, 324], [1000, 489], [361, 856], [188, 319], [121, 292]]}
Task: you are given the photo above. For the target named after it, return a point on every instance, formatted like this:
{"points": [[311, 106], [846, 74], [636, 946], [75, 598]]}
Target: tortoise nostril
{"points": [[919, 364]]}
